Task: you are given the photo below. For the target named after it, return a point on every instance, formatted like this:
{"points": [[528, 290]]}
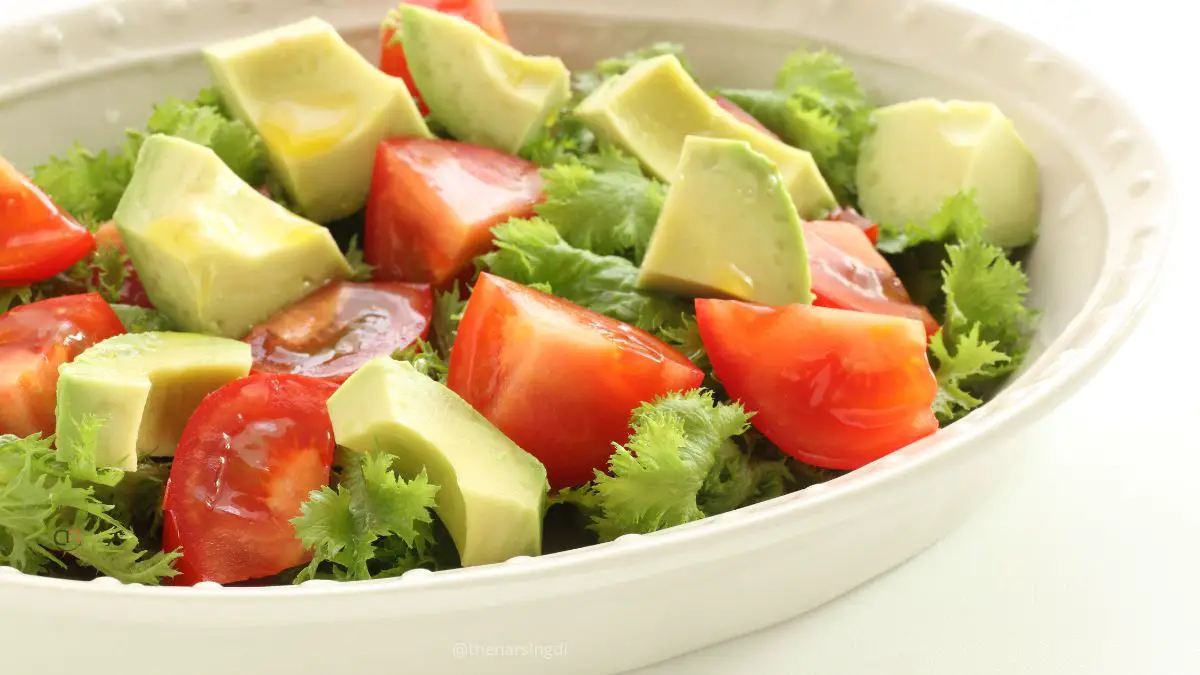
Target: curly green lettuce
{"points": [[52, 517], [682, 463], [983, 295], [425, 359], [604, 203], [89, 185], [818, 105], [532, 252], [374, 524]]}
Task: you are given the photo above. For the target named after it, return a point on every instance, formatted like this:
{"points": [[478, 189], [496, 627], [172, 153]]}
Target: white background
{"points": [[1089, 562]]}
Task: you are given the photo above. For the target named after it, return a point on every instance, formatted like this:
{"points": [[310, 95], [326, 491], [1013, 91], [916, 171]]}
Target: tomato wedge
{"points": [[849, 215], [832, 388], [36, 339], [333, 332], [743, 116], [392, 61], [248, 458], [37, 239], [433, 204], [558, 379], [848, 273]]}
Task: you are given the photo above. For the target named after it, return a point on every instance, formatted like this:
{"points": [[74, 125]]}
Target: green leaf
{"points": [[587, 81], [533, 252], [143, 319], [360, 269], [823, 74], [11, 297], [611, 211], [817, 105], [986, 290], [50, 513], [85, 184], [565, 137], [657, 479], [348, 527], [972, 358], [425, 359], [685, 337], [89, 185], [958, 217], [235, 143], [792, 117], [448, 308]]}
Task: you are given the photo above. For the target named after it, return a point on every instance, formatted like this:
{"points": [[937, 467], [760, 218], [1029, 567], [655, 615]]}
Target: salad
{"points": [[336, 320]]}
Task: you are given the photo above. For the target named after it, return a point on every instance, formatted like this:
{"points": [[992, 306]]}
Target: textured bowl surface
{"points": [[91, 72]]}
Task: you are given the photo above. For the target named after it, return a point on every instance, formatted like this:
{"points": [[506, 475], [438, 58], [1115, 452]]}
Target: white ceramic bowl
{"points": [[88, 73]]}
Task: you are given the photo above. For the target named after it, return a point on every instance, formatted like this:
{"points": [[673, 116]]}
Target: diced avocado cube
{"points": [[728, 229], [653, 107], [923, 151], [320, 107], [214, 254], [483, 91], [143, 388], [492, 492]]}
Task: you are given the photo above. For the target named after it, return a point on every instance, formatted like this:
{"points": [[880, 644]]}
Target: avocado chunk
{"points": [[728, 229], [926, 150], [483, 91], [320, 107], [492, 492], [143, 388], [654, 106], [214, 254]]}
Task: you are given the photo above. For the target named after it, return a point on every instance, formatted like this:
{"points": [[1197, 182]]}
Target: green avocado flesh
{"points": [[728, 229], [651, 109], [143, 388], [483, 91], [925, 150], [320, 107], [492, 492], [215, 255]]}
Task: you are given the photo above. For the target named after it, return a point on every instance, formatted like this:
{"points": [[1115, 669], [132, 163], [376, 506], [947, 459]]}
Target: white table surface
{"points": [[1089, 562]]}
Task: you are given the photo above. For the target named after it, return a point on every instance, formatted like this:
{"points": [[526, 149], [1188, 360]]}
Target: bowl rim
{"points": [[1101, 327]]}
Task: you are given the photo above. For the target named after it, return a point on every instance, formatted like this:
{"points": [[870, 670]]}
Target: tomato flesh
{"points": [[433, 204], [392, 61], [848, 273], [333, 332], [743, 116], [849, 215], [832, 388], [36, 339], [37, 239], [249, 457], [558, 379]]}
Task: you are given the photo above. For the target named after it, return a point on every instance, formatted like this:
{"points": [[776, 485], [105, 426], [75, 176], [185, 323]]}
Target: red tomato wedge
{"points": [[743, 116], [433, 204], [248, 458], [333, 332], [558, 379], [849, 215], [832, 388], [36, 339], [392, 61], [37, 239], [848, 273]]}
